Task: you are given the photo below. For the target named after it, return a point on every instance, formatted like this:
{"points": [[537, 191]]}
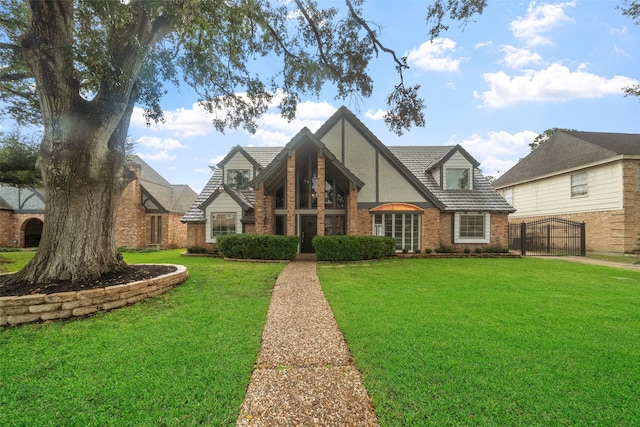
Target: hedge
{"points": [[253, 246], [353, 248]]}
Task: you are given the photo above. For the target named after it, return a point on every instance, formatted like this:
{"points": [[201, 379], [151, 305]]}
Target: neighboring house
{"points": [[149, 213], [589, 177], [343, 180]]}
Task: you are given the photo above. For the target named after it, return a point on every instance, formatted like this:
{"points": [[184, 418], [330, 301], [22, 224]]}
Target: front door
{"points": [[309, 230]]}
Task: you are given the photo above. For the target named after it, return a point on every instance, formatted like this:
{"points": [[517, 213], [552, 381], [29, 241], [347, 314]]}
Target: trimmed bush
{"points": [[253, 246], [196, 250], [353, 248]]}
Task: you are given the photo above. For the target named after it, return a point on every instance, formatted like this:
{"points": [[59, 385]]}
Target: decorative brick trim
{"points": [[63, 305]]}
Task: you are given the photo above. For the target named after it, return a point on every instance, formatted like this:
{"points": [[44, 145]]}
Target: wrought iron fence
{"points": [[548, 236]]}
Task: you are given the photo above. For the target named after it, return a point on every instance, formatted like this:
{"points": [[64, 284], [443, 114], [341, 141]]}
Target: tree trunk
{"points": [[78, 238], [82, 155]]}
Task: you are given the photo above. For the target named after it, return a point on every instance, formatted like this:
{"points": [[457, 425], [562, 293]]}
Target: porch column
{"points": [[352, 210], [259, 209], [321, 188], [291, 193]]}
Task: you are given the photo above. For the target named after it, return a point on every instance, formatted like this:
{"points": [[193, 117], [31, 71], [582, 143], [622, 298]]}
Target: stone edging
{"points": [[42, 307]]}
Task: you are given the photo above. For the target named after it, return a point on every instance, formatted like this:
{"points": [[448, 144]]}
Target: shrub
{"points": [[467, 250], [478, 250], [253, 246], [417, 251], [405, 250], [353, 248], [427, 251], [197, 250]]}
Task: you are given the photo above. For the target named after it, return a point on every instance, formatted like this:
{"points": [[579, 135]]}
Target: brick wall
{"points": [[6, 228], [605, 230], [132, 228]]}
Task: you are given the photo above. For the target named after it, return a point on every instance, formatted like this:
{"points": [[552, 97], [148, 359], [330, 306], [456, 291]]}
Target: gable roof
{"points": [[21, 200], [412, 162], [565, 151], [303, 136], [170, 198], [452, 151], [483, 197], [195, 212], [344, 113]]}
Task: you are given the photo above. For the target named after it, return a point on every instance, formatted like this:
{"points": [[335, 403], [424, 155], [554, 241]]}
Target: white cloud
{"points": [[268, 138], [434, 56], [555, 83], [539, 20], [619, 51], [159, 143], [161, 155], [180, 122], [215, 160], [518, 58], [484, 44], [618, 31], [375, 115], [498, 151]]}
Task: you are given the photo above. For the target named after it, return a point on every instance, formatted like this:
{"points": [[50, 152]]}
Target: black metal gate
{"points": [[548, 236]]}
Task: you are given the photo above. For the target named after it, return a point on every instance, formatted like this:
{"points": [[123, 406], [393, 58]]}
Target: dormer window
{"points": [[238, 179], [458, 179]]}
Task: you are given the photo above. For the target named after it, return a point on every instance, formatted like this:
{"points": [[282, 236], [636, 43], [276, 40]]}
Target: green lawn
{"points": [[181, 359], [492, 341]]}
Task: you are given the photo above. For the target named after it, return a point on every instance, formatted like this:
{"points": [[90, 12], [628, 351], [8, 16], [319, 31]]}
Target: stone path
{"points": [[304, 375]]}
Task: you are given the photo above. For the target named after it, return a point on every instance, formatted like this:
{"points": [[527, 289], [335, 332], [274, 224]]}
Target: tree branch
{"points": [[10, 46], [374, 39], [12, 77], [314, 28]]}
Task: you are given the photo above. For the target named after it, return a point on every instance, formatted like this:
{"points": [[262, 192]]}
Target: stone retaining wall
{"points": [[42, 307]]}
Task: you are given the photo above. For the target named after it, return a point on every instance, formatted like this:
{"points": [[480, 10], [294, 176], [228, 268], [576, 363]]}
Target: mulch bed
{"points": [[131, 274]]}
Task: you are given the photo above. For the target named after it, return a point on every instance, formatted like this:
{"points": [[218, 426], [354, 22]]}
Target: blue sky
{"points": [[519, 69]]}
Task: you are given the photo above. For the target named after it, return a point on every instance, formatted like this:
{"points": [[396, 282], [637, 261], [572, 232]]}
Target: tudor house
{"points": [[149, 214], [343, 180]]}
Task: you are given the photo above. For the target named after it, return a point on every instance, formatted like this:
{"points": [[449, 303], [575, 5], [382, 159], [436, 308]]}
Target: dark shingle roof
{"points": [[195, 214], [27, 200], [411, 161], [263, 155], [570, 150], [173, 198], [483, 197]]}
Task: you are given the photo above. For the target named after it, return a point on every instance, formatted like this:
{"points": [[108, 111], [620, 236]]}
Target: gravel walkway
{"points": [[304, 375]]}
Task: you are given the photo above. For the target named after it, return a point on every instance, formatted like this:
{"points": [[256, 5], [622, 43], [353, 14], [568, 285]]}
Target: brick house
{"points": [[590, 177], [343, 180], [149, 214]]}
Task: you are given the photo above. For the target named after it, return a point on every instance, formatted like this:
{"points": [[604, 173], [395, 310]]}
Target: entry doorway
{"points": [[308, 230]]}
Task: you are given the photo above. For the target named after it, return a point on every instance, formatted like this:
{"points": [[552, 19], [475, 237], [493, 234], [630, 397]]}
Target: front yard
{"points": [[439, 341], [492, 342], [183, 358]]}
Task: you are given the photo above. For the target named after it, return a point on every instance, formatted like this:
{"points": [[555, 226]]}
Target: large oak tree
{"points": [[79, 67]]}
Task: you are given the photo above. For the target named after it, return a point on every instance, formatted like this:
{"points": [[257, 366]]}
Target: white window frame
{"points": [[507, 194], [579, 184], [448, 182], [486, 238], [378, 229], [227, 216]]}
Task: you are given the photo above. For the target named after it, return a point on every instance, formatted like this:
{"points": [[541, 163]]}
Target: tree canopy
{"points": [[544, 136], [18, 161], [78, 67], [212, 46]]}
